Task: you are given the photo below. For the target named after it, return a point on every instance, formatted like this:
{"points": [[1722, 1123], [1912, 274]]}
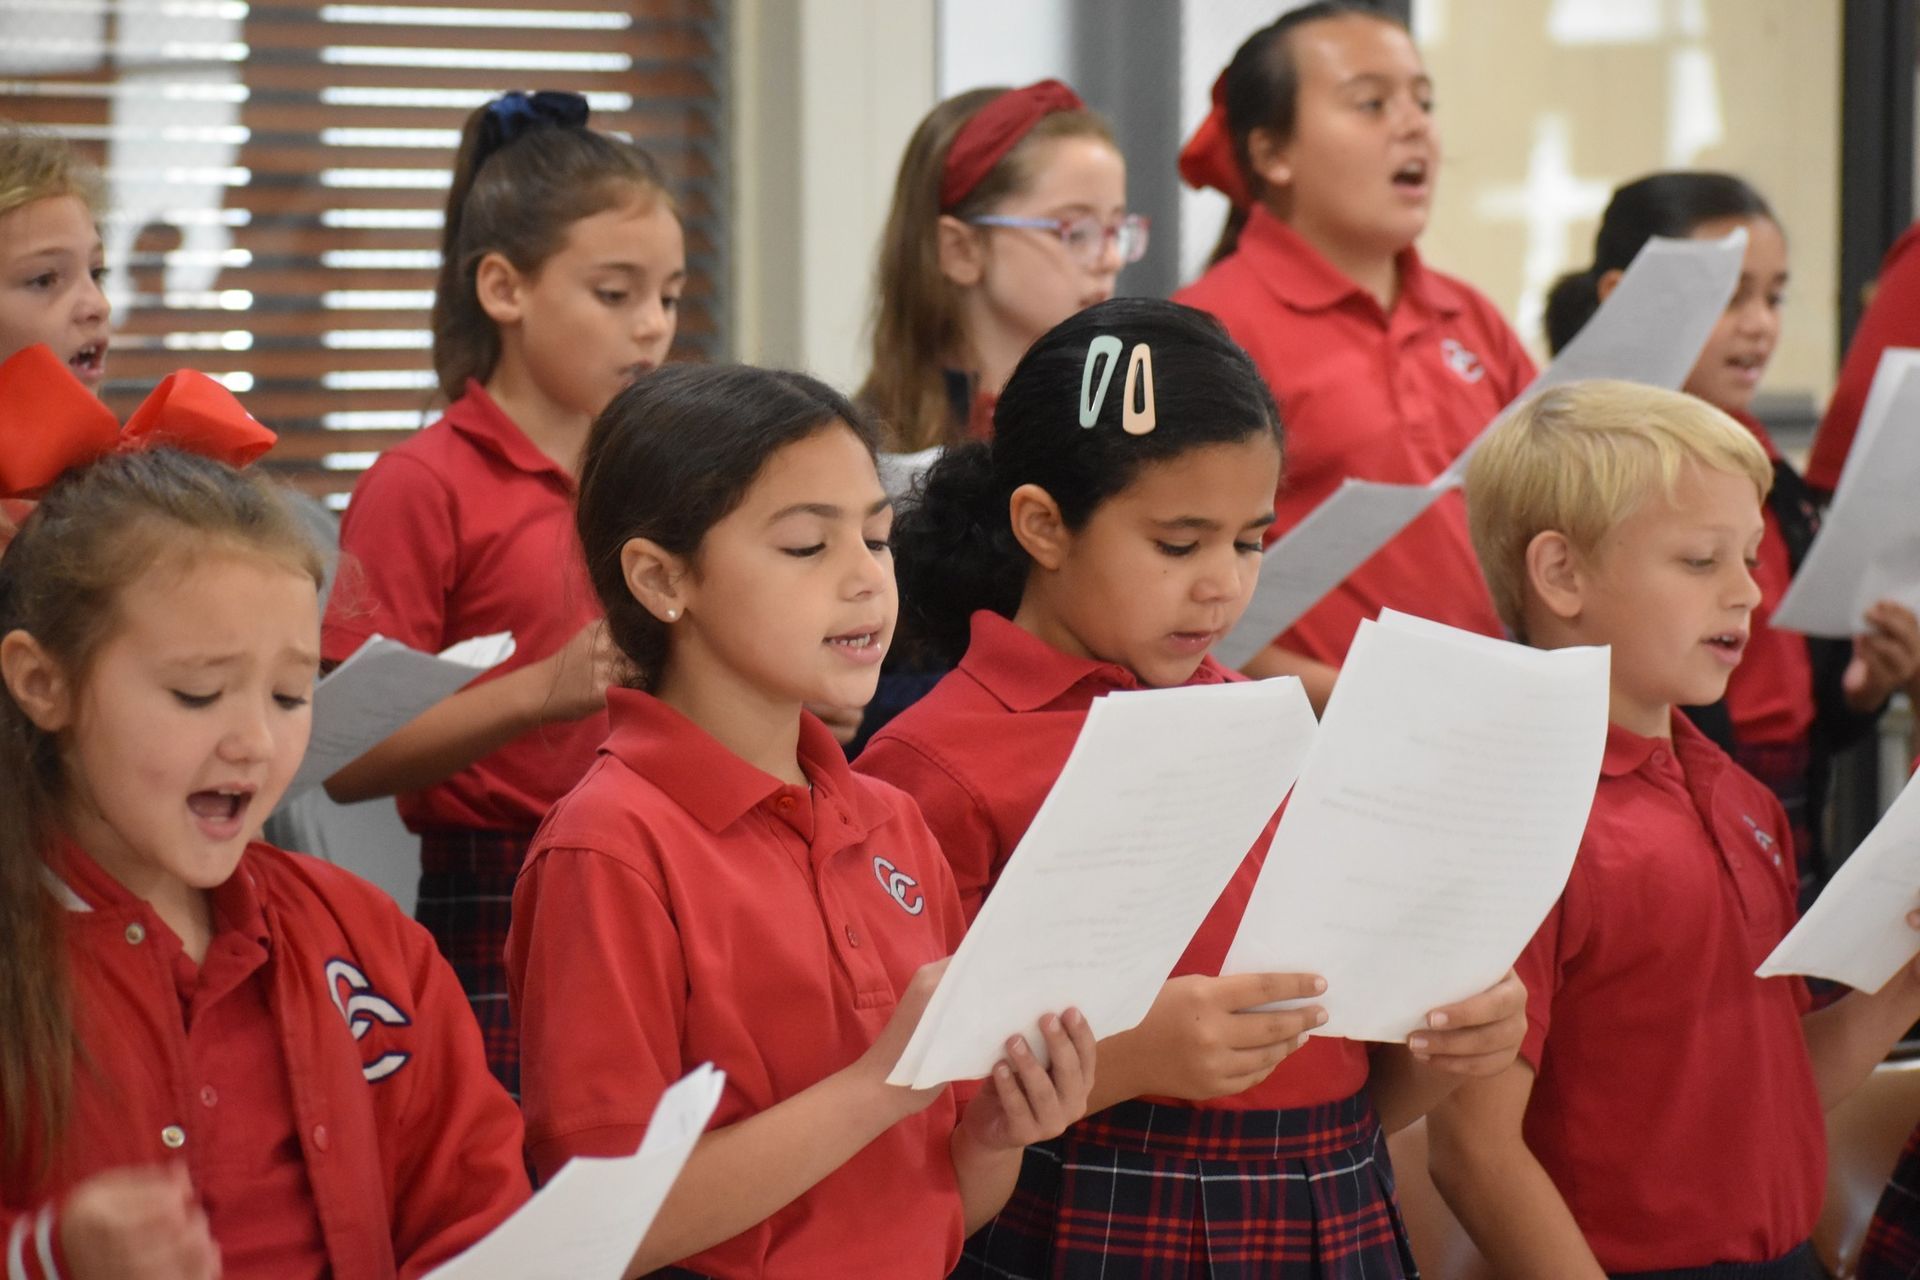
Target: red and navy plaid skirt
{"points": [[1892, 1249], [466, 895], [1784, 767], [1144, 1191]]}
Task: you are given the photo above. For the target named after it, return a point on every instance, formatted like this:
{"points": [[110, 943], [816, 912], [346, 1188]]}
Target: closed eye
{"points": [[1248, 548], [290, 701], [1176, 548], [195, 700], [801, 553], [612, 297], [879, 546], [1696, 562]]}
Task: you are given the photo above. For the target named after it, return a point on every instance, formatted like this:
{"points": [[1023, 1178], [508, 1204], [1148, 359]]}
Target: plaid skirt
{"points": [[1892, 1249], [1784, 767], [466, 895], [1144, 1191]]}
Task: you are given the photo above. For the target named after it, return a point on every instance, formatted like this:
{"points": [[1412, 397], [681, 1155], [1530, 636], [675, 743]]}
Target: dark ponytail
{"points": [[669, 458], [954, 550], [1673, 204], [1261, 87]]}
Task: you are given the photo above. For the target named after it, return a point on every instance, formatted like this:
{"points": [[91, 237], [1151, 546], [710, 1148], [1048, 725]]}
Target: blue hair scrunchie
{"points": [[512, 114]]}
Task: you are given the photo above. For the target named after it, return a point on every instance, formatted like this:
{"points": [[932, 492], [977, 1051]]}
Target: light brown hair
{"points": [[1580, 458], [916, 312], [97, 531], [519, 201], [35, 165]]}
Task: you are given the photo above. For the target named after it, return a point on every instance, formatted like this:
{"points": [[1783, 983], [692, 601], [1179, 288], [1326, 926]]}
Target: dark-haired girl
{"points": [[1323, 136], [722, 887], [216, 1057], [562, 263], [1103, 542], [1792, 702]]}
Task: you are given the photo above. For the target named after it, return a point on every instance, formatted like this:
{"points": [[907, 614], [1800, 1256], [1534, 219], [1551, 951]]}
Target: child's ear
{"points": [[1607, 283], [655, 577], [1269, 158], [497, 282], [1037, 526], [1554, 574], [963, 258], [36, 681]]}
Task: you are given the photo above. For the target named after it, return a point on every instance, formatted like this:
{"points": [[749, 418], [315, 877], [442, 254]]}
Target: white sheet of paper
{"points": [[1163, 797], [1434, 824], [588, 1221], [378, 690], [1857, 931], [1868, 547], [1650, 329], [1317, 555], [901, 472]]}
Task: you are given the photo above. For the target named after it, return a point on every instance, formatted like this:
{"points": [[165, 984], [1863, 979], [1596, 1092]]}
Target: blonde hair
{"points": [[35, 165], [916, 309], [1578, 459]]}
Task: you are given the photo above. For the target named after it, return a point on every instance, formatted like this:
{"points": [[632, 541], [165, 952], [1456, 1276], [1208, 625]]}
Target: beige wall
{"points": [[1545, 105]]}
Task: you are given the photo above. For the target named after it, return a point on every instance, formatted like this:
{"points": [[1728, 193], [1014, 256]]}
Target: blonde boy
{"points": [[1666, 1114]]}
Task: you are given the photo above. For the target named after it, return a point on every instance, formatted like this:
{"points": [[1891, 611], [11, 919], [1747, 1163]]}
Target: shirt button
{"points": [[786, 802], [173, 1137], [208, 1095], [321, 1140], [845, 819], [1659, 757], [136, 933], [853, 939]]}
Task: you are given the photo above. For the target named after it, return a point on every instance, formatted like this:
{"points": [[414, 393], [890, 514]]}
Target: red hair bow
{"points": [[994, 130], [50, 423], [1208, 159]]}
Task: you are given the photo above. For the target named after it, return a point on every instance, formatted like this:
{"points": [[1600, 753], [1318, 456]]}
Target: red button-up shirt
{"points": [[1390, 396]]}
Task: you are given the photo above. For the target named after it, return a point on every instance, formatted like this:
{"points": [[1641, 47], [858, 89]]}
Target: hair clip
{"points": [[1135, 422], [515, 113], [1105, 345]]}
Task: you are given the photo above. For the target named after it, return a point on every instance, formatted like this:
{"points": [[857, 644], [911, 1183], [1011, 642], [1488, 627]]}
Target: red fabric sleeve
{"points": [[398, 561], [454, 1138], [1892, 319], [956, 817], [1542, 966], [598, 984]]}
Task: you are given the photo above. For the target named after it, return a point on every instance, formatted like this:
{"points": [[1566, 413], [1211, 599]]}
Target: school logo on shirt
{"points": [[1462, 361], [362, 1008], [1762, 838], [900, 886]]}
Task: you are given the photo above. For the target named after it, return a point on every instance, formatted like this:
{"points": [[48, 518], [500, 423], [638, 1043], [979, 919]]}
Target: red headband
{"points": [[994, 130], [1208, 159], [50, 423]]}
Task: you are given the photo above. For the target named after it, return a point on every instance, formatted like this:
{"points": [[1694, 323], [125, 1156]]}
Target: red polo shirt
{"points": [[319, 1075], [1770, 695], [680, 906], [980, 752], [1389, 396], [1892, 319], [1675, 1106], [464, 530]]}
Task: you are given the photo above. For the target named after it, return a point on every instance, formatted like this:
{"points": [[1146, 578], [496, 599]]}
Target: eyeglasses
{"points": [[1086, 236]]}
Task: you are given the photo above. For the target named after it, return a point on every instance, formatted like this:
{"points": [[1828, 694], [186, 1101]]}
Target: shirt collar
{"points": [[1026, 673], [1299, 275], [83, 885], [712, 783], [1627, 752], [476, 416]]}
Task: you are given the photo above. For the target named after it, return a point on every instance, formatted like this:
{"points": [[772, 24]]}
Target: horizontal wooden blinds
{"points": [[277, 168]]}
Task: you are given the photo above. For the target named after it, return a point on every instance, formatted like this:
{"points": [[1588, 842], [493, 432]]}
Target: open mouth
{"points": [[855, 640], [220, 807], [1411, 176], [89, 362], [1728, 644]]}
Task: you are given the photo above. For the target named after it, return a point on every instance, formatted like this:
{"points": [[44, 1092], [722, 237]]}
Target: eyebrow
{"points": [[1206, 525], [1375, 79], [825, 510], [198, 662]]}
